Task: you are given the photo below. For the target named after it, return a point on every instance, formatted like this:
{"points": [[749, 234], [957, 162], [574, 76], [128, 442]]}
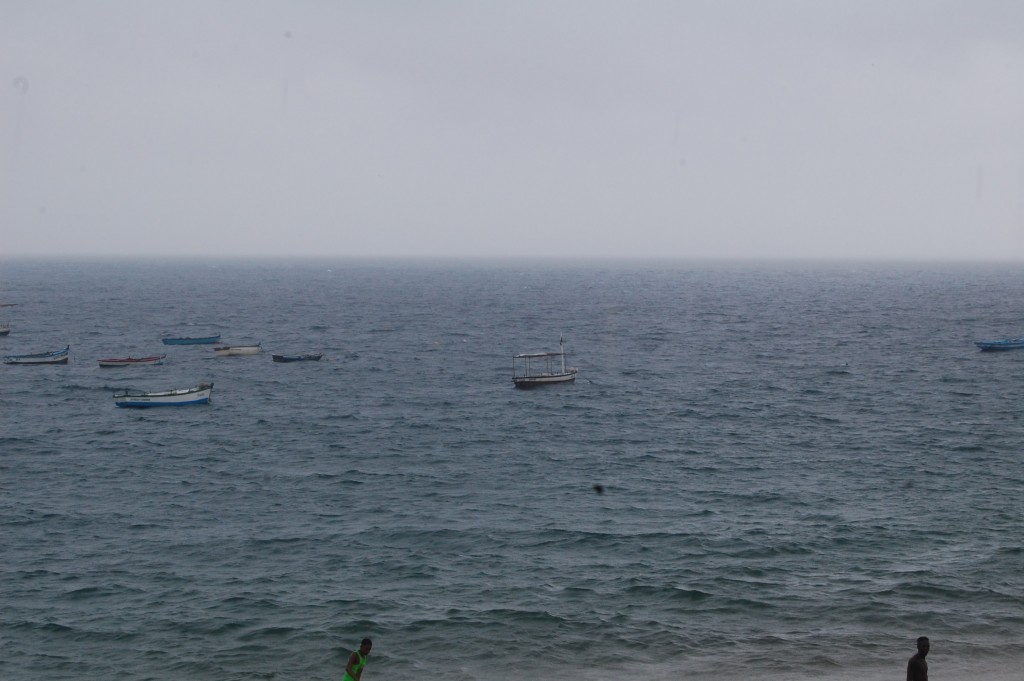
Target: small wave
{"points": [[970, 448], [218, 627], [269, 632], [144, 526], [668, 593], [87, 592], [757, 552]]}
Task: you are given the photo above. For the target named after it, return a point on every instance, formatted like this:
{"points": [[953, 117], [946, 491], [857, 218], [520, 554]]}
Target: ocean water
{"points": [[805, 467]]}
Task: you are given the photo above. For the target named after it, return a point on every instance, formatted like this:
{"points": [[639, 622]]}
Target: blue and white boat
{"points": [[188, 340], [1004, 344], [200, 394], [54, 357]]}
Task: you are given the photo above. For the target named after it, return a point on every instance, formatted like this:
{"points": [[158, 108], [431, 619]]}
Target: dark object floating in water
{"points": [[308, 357], [188, 340]]}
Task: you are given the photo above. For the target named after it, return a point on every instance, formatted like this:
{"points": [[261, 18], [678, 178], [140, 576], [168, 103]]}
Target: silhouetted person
{"points": [[917, 668]]}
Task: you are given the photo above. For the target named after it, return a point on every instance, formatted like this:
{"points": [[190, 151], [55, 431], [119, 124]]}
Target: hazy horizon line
{"points": [[571, 259]]}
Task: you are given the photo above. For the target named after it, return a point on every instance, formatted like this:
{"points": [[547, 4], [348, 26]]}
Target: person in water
{"points": [[917, 668], [356, 661]]}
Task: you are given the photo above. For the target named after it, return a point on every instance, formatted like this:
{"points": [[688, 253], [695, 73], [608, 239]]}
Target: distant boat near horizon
{"points": [[131, 361], [181, 397], [1004, 344], [53, 357], [189, 340], [307, 357], [229, 350], [526, 375]]}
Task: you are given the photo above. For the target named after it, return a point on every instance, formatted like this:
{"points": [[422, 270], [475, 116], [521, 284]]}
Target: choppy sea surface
{"points": [[804, 467]]}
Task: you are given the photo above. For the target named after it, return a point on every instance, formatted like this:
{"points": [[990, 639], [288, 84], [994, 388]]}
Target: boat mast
{"points": [[561, 348]]}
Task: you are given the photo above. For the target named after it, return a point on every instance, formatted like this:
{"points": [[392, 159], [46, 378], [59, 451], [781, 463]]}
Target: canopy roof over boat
{"points": [[538, 354]]}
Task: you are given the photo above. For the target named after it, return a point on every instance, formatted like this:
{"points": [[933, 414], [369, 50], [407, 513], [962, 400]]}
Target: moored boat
{"points": [[189, 340], [1004, 344], [5, 328], [307, 357], [131, 361], [54, 357], [181, 397], [229, 350], [526, 374]]}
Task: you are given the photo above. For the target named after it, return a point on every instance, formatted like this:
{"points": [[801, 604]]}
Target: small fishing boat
{"points": [[131, 361], [188, 340], [5, 328], [308, 357], [552, 369], [54, 357], [1004, 344], [229, 350], [200, 394]]}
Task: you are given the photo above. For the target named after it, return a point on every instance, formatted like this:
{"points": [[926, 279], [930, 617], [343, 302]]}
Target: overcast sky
{"points": [[686, 129]]}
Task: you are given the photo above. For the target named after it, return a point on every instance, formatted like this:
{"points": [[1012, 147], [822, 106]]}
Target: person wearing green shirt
{"points": [[356, 661]]}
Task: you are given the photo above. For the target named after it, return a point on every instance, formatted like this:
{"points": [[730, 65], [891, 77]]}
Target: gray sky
{"points": [[689, 129]]}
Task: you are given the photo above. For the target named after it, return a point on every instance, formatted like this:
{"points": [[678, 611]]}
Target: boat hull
{"points": [[310, 357], [131, 361], [169, 398], [204, 340], [55, 357], [15, 360], [231, 350], [540, 380], [996, 345]]}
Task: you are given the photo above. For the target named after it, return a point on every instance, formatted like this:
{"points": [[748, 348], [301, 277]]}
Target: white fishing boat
{"points": [[229, 350], [55, 357], [200, 394], [5, 328], [533, 369]]}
